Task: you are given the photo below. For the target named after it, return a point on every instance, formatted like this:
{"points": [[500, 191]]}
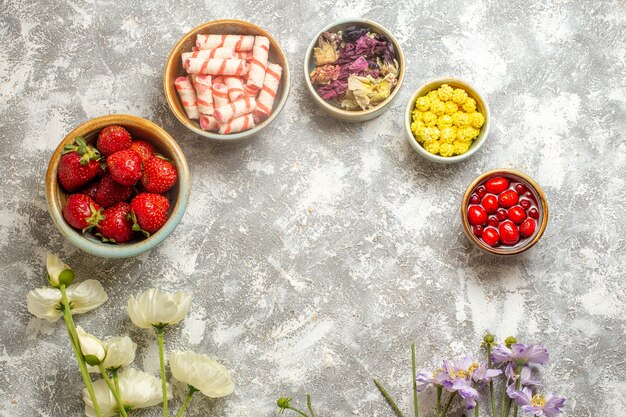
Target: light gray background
{"points": [[320, 250]]}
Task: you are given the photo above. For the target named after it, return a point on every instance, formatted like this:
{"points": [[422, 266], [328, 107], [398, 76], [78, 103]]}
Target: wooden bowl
{"points": [[542, 204], [174, 69], [178, 196], [334, 110]]}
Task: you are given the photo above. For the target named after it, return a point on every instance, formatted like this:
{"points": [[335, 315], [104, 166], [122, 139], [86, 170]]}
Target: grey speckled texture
{"points": [[319, 250]]}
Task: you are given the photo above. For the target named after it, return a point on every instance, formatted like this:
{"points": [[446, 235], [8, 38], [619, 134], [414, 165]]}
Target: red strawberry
{"points": [[90, 190], [117, 227], [113, 139], [110, 192], [143, 148], [81, 212], [78, 165], [159, 175], [125, 166], [149, 212]]}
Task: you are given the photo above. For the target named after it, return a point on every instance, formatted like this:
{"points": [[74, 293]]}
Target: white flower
{"points": [[58, 272], [202, 373], [120, 352], [137, 389], [93, 348], [85, 296], [156, 308]]}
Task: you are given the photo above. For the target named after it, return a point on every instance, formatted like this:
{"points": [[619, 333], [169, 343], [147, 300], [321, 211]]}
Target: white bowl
{"points": [[481, 105]]}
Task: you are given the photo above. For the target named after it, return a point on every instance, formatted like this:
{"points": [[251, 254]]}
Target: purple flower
{"points": [[538, 405], [335, 89], [526, 375], [356, 67], [423, 380], [457, 377], [520, 354], [352, 33], [484, 374]]}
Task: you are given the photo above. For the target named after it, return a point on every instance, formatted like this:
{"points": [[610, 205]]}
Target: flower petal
{"points": [[86, 296], [44, 303], [201, 372]]}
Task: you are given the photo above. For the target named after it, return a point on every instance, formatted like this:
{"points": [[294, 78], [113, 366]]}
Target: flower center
{"points": [[538, 400]]}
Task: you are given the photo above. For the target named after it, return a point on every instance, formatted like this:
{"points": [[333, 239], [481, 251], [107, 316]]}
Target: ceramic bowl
{"points": [[139, 128], [541, 202], [334, 110], [174, 69], [481, 105]]}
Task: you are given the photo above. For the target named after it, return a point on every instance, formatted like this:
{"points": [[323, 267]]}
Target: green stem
{"points": [[302, 413], [445, 409], [160, 331], [71, 330], [476, 408], [518, 384], [493, 403], [503, 402], [438, 410], [413, 369], [114, 391], [191, 391], [116, 381], [390, 400], [308, 404]]}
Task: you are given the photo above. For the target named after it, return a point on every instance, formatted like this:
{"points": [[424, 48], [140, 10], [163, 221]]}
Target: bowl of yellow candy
{"points": [[446, 120]]}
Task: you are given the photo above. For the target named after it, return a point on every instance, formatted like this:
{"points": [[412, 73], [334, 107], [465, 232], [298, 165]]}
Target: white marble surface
{"points": [[320, 250]]}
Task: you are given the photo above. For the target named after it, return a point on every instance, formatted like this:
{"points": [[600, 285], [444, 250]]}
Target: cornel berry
{"points": [[503, 211]]}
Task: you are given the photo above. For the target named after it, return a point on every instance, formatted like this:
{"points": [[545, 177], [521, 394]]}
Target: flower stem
{"points": [[159, 332], [503, 403], [413, 369], [191, 391], [114, 391], [116, 381], [308, 404], [390, 400], [493, 403], [445, 409], [518, 384], [71, 330], [438, 410], [302, 413]]}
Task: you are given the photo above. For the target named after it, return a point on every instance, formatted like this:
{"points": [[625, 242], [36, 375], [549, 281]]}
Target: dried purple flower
{"points": [[325, 74], [520, 354], [352, 33], [335, 89], [539, 405]]}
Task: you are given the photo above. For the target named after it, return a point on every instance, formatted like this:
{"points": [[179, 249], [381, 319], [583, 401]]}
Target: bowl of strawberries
{"points": [[117, 186]]}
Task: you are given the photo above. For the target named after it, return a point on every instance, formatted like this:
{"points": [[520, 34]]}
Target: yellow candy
{"points": [[463, 135], [459, 96], [477, 120], [444, 121], [437, 107], [417, 115], [432, 146], [470, 105], [472, 132], [431, 133], [460, 147], [461, 119], [419, 135], [450, 107], [417, 126], [432, 95], [446, 149], [422, 103], [447, 135], [445, 92], [429, 118]]}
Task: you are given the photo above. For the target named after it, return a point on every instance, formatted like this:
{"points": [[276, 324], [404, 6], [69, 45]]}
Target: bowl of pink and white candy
{"points": [[226, 79]]}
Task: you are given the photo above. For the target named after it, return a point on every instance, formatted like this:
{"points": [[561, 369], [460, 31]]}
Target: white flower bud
{"points": [[155, 308], [93, 348], [59, 273]]}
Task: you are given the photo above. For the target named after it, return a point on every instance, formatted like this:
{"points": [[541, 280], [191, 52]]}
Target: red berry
{"points": [[508, 233], [159, 175], [529, 194], [149, 212], [474, 199], [113, 139], [116, 227], [481, 191], [508, 199], [476, 215], [111, 192], [478, 230], [143, 148], [81, 212], [525, 203], [125, 166], [90, 190], [520, 188], [527, 228], [517, 214], [493, 221], [78, 165], [497, 185], [490, 203], [501, 214], [490, 236], [534, 213]]}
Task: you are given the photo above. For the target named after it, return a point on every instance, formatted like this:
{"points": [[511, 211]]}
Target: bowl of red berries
{"points": [[504, 212], [117, 186]]}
